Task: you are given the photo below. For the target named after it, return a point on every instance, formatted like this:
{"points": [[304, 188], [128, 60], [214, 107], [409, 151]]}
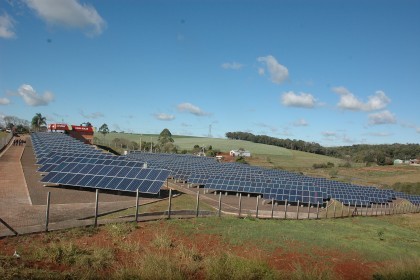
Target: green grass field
{"points": [[181, 202], [264, 155], [3, 134], [386, 247], [276, 157]]}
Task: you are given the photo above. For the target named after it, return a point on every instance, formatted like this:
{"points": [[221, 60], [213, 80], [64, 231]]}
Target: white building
{"points": [[240, 153], [398, 161]]}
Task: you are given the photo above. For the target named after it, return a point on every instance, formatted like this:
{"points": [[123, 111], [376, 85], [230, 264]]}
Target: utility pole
{"points": [[151, 145]]}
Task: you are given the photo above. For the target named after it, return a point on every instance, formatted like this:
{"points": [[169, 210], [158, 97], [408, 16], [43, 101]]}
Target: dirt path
{"points": [[23, 197]]}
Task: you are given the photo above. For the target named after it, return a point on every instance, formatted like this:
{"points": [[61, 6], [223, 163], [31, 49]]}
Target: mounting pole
{"points": [[47, 213], [137, 205], [96, 207]]}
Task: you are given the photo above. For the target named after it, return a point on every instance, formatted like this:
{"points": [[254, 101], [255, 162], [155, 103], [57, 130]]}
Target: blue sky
{"points": [[333, 72]]}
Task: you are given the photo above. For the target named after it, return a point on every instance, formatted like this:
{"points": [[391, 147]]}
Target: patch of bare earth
{"points": [[140, 242]]}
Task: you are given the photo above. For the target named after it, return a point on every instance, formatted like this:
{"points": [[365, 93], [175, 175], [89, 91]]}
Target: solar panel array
{"points": [[271, 184], [71, 162]]}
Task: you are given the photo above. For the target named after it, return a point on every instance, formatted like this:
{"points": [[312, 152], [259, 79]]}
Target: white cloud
{"points": [[278, 72], [300, 122], [261, 71], [186, 124], [190, 108], [418, 129], [69, 13], [329, 134], [348, 101], [31, 98], [302, 99], [270, 127], [164, 117], [94, 115], [7, 26], [380, 134], [383, 117], [232, 65], [4, 101]]}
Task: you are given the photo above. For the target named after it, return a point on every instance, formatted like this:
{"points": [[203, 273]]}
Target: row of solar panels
{"points": [[73, 163], [272, 184], [235, 177]]}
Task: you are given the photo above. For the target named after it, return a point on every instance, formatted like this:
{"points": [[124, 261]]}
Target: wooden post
{"points": [[348, 210], [96, 207], [297, 211], [285, 209], [342, 209], [317, 210], [170, 203], [256, 209], [272, 208], [198, 204], [326, 211], [309, 209], [220, 204], [334, 210], [371, 209], [240, 204], [47, 212], [376, 208], [137, 206]]}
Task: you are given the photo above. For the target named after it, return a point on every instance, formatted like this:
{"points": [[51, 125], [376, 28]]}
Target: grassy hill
{"points": [[277, 157], [263, 155]]}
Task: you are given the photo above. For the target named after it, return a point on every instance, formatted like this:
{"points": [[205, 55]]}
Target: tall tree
{"points": [[104, 130], [165, 142], [165, 137], [38, 120]]}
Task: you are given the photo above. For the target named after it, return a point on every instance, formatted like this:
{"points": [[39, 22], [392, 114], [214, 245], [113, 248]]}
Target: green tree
{"points": [[165, 137], [104, 130], [37, 121]]}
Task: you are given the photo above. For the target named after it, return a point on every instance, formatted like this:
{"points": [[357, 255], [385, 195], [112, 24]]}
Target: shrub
{"points": [[319, 165]]}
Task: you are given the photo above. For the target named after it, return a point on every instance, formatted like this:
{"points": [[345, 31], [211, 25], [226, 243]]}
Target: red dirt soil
{"points": [[344, 265]]}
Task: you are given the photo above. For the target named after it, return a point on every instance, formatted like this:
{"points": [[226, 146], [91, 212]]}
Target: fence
{"points": [[182, 201]]}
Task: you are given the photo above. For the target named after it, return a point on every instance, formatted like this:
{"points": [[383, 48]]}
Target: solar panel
{"points": [[71, 162]]}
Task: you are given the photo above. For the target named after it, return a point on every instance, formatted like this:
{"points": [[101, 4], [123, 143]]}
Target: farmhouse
{"points": [[240, 153], [82, 133]]}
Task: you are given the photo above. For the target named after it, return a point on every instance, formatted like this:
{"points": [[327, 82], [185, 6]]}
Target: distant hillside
{"points": [[262, 154], [383, 154], [298, 145]]}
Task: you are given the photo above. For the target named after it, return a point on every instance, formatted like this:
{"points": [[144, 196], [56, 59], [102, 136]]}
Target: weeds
{"points": [[120, 229], [229, 266], [381, 234], [400, 270], [162, 241], [312, 272], [71, 254]]}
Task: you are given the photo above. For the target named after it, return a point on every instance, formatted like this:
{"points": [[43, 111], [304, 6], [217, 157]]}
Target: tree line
{"points": [[298, 145], [382, 154]]}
